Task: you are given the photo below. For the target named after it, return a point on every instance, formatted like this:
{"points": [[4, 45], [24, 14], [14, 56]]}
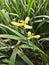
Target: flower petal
{"points": [[28, 27], [22, 21], [36, 36], [29, 33], [28, 38], [17, 24], [27, 19]]}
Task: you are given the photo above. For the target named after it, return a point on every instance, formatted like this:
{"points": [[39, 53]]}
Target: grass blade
{"points": [[30, 3]]}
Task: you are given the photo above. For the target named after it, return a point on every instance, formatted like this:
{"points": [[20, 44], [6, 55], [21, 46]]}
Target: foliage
{"points": [[13, 39]]}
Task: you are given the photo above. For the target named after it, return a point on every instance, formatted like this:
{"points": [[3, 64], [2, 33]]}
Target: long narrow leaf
{"points": [[30, 3]]}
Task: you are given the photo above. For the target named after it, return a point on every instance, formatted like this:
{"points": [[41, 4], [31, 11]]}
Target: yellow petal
{"points": [[32, 33], [32, 37], [14, 0], [21, 21], [29, 33], [17, 24], [28, 27], [36, 36], [27, 19], [28, 38]]}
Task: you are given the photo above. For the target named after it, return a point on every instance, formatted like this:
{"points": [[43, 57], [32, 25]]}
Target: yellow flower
{"points": [[23, 23], [31, 35], [17, 24]]}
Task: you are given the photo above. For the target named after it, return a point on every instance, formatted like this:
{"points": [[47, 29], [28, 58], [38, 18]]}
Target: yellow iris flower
{"points": [[31, 35], [23, 23]]}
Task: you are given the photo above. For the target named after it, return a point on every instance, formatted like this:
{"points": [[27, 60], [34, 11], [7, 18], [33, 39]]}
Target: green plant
{"points": [[13, 39]]}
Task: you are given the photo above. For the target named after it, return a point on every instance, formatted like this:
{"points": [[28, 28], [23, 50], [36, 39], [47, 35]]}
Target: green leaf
{"points": [[44, 39], [10, 36], [30, 3], [42, 16], [7, 6], [4, 15], [14, 31], [8, 61], [24, 57], [2, 55], [25, 46], [13, 56], [45, 61]]}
